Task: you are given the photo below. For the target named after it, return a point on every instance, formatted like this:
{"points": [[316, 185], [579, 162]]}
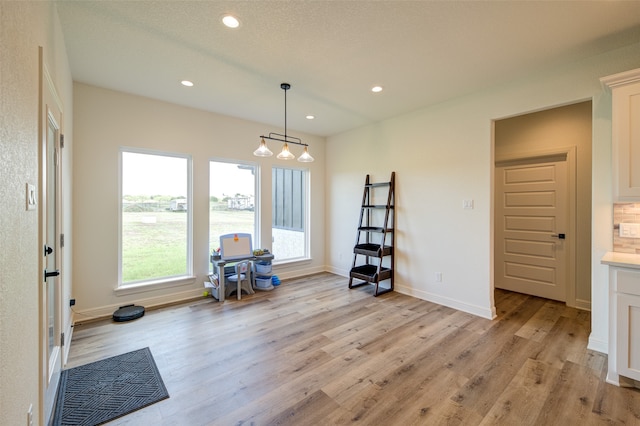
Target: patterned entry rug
{"points": [[101, 391]]}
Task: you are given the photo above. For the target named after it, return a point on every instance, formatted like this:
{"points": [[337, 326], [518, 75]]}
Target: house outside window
{"points": [[290, 240], [232, 200], [155, 216]]}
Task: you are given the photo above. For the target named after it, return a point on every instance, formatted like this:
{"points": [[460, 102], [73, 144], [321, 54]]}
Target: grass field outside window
{"points": [[154, 223]]}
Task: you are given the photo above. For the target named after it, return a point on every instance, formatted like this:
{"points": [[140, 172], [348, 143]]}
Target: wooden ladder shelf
{"points": [[375, 238]]}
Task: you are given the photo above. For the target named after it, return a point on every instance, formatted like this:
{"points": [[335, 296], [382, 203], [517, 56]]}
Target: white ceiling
{"points": [[331, 52]]}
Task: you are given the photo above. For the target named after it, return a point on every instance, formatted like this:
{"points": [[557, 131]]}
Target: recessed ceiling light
{"points": [[230, 21], [376, 89], [310, 117], [187, 83]]}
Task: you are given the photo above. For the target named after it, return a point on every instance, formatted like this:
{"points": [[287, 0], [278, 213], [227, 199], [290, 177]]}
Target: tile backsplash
{"points": [[625, 212]]}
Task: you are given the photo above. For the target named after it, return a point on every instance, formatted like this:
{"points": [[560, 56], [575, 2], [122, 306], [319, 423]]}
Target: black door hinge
{"points": [[61, 240], [61, 141], [61, 339]]}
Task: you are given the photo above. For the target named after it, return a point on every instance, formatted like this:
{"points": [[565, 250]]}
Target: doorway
{"points": [[537, 247]]}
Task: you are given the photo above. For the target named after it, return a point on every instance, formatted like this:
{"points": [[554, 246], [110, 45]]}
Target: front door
{"points": [[50, 291], [531, 225]]}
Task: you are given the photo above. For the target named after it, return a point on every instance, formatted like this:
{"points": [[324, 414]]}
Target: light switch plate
{"points": [[31, 197], [629, 230], [467, 204]]}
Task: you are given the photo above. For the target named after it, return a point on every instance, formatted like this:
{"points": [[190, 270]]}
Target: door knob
{"points": [[559, 236]]}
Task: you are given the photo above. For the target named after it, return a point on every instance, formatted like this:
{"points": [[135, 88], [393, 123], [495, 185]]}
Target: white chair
{"points": [[242, 278]]}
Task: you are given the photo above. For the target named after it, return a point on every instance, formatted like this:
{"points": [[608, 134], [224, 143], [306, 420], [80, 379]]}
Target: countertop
{"points": [[624, 260]]}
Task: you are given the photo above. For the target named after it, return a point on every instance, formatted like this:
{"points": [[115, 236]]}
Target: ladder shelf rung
{"points": [[376, 206], [377, 184], [379, 290], [374, 229], [374, 250], [360, 284], [370, 273]]}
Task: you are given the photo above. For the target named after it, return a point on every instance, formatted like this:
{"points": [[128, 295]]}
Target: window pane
{"points": [[155, 219], [289, 201], [231, 201]]}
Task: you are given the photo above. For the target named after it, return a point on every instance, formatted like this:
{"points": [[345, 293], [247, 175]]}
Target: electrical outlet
{"points": [[438, 277], [629, 230]]}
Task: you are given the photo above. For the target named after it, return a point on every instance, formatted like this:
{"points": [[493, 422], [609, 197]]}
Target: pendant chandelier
{"points": [[285, 154]]}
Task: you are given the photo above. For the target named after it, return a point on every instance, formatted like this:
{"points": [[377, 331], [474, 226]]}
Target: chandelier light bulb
{"points": [[285, 154], [262, 150], [305, 157]]}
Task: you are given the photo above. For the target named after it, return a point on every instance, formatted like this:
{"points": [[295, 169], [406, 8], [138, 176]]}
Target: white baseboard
{"points": [[167, 299], [68, 335], [191, 294], [446, 301], [149, 302], [337, 271], [598, 345], [585, 305], [430, 297], [298, 272]]}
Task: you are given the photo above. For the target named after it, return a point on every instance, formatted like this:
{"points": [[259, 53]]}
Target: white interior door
{"points": [[531, 226], [50, 287]]}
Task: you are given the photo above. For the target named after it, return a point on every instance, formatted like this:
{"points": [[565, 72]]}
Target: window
{"points": [[155, 216], [232, 201], [289, 214]]}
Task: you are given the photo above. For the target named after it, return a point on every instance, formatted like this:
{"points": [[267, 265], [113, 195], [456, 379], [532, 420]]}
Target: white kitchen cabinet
{"points": [[625, 132], [628, 357], [624, 318]]}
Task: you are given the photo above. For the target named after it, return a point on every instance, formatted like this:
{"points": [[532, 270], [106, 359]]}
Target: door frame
{"points": [[570, 152], [48, 94]]}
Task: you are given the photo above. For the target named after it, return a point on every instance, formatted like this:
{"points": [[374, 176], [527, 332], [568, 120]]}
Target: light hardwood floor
{"points": [[313, 352]]}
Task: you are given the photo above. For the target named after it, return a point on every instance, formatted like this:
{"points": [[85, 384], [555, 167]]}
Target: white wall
{"points": [[105, 120], [24, 26], [442, 155]]}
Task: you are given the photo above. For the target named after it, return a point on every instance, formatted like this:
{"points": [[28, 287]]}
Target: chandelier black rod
{"points": [[284, 138], [285, 87]]}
